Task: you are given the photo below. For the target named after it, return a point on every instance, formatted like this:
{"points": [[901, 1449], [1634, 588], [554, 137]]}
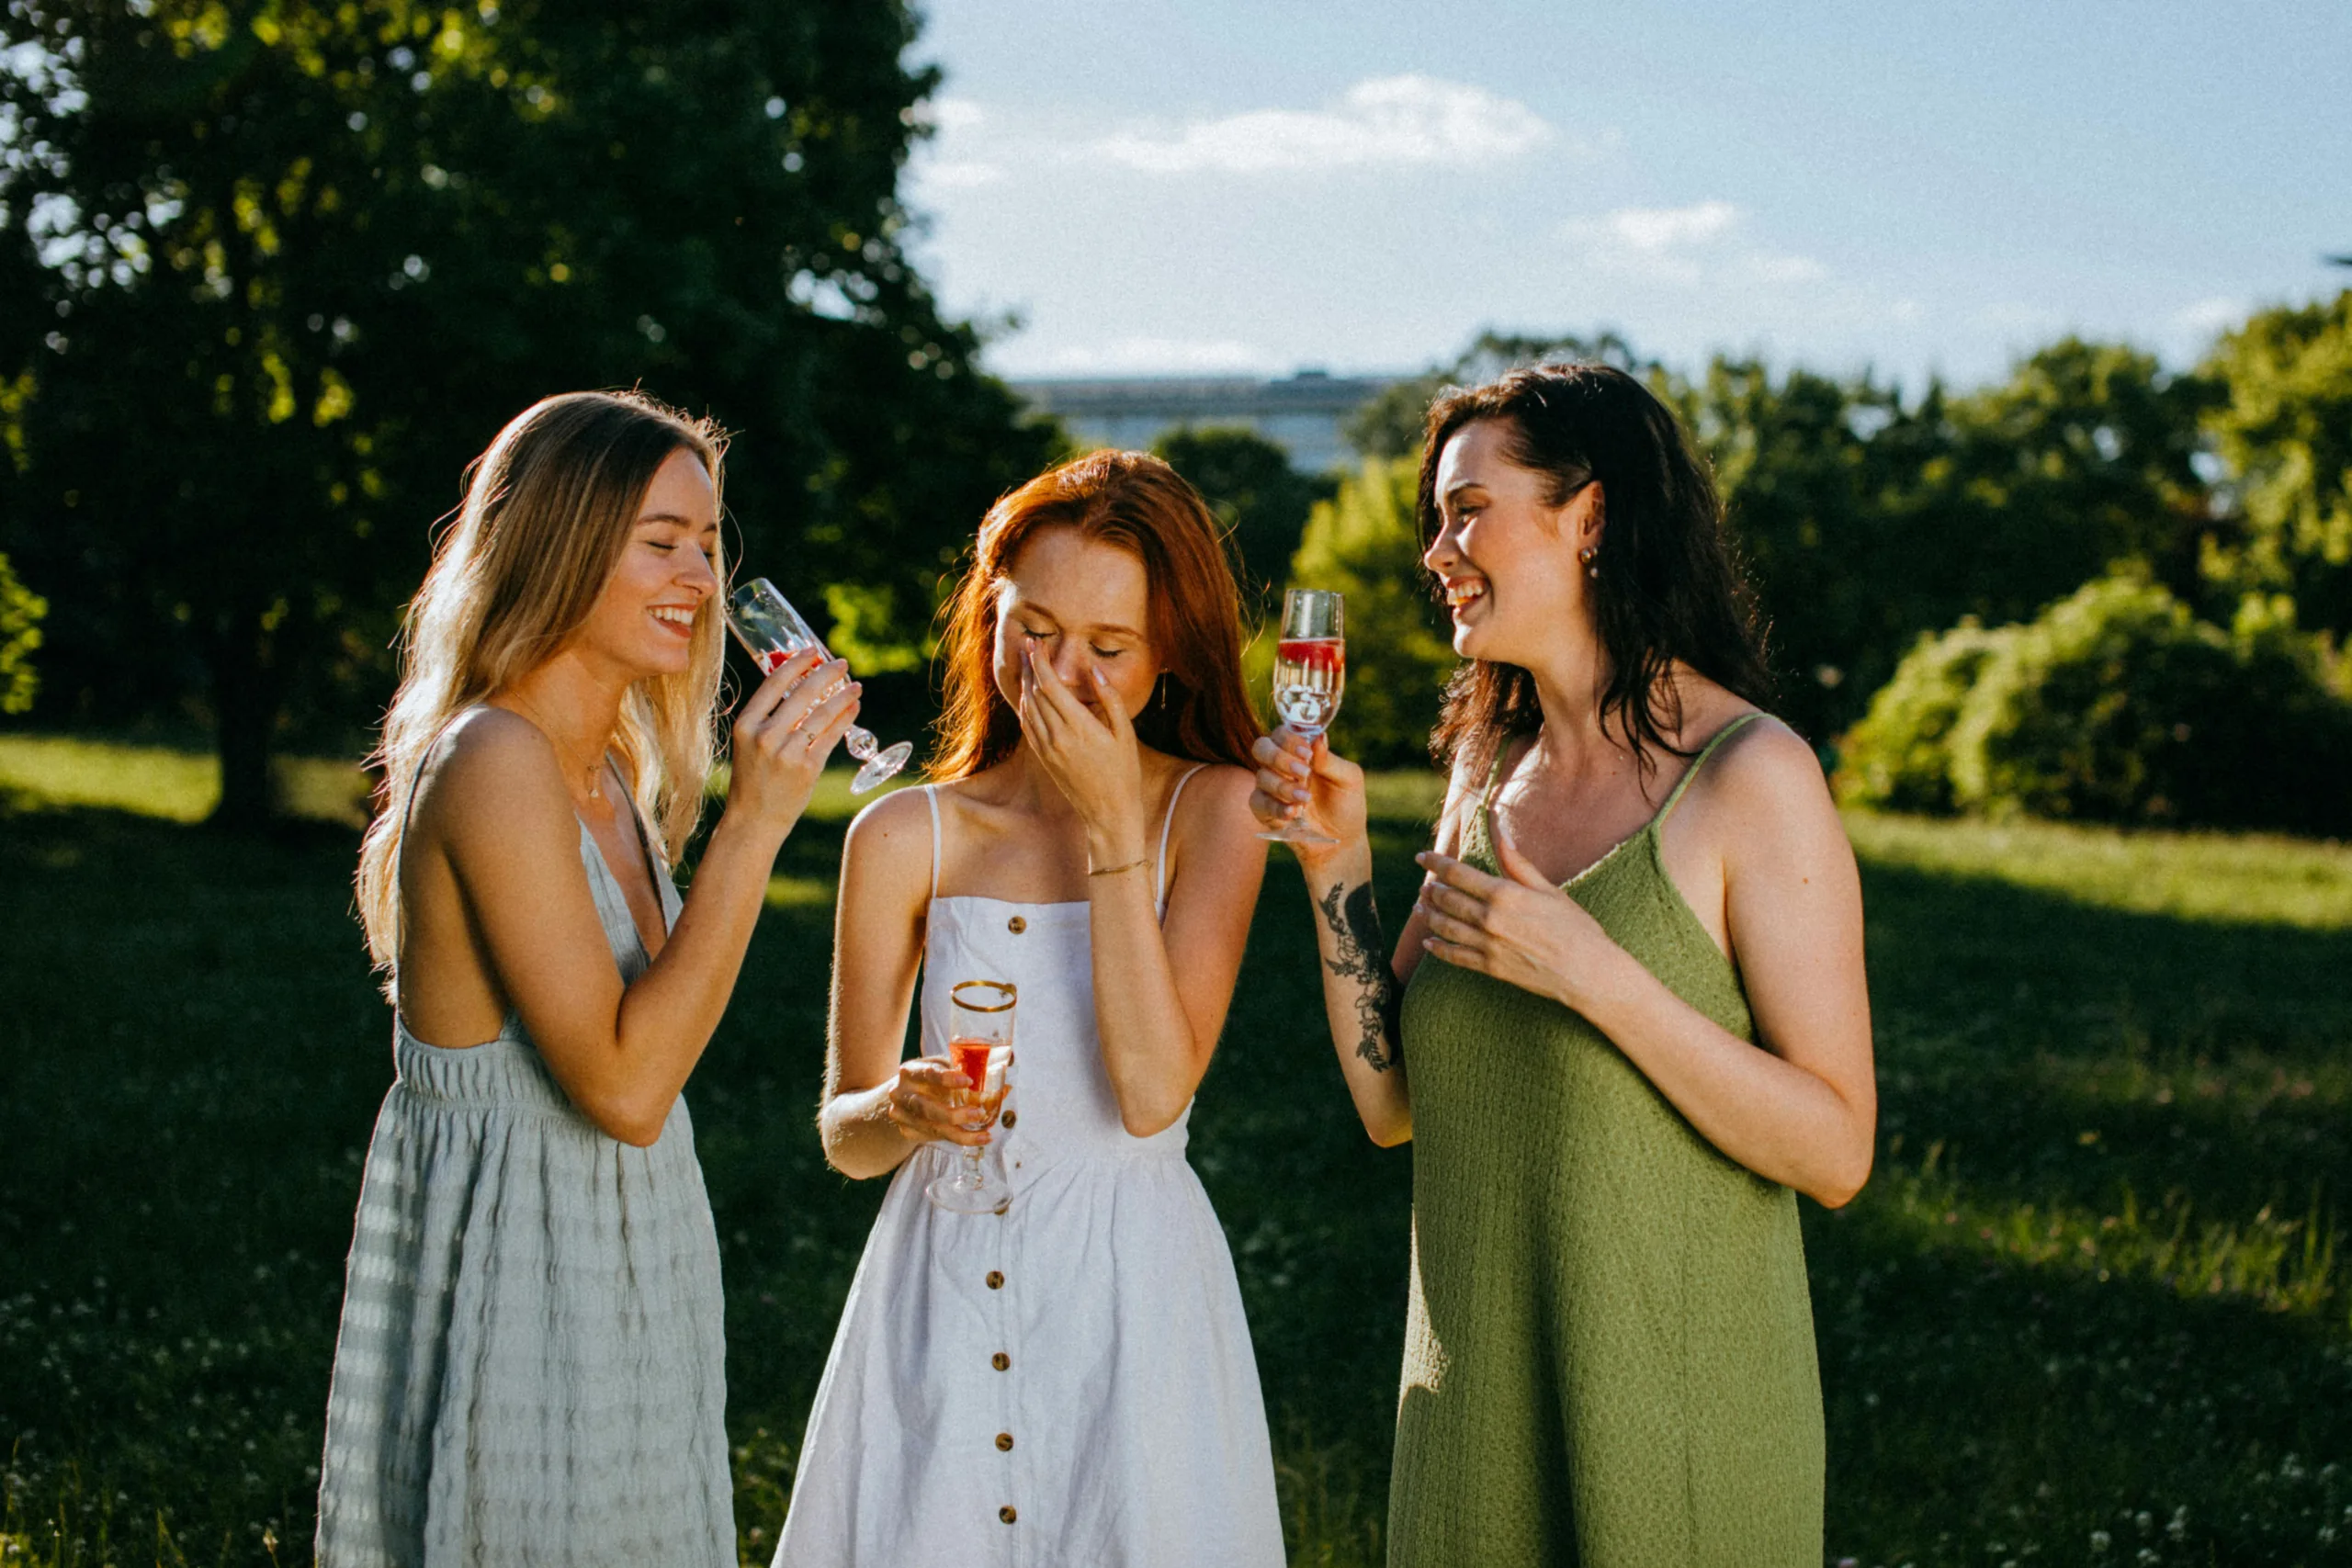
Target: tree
{"points": [[1867, 519], [2285, 431], [326, 250], [1365, 542], [20, 613], [1249, 484], [1816, 477]]}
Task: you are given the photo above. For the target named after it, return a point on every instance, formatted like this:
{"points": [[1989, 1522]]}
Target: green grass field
{"points": [[2092, 1308]]}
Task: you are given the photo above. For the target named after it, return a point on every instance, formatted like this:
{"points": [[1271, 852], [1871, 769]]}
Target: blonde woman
{"points": [[530, 1366]]}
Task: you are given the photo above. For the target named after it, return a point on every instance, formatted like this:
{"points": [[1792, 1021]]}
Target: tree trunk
{"points": [[245, 706]]}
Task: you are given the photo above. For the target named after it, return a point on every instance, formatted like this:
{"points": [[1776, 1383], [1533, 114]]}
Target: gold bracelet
{"points": [[1115, 869]]}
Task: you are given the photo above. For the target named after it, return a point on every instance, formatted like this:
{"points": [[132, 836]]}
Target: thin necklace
{"points": [[595, 785]]}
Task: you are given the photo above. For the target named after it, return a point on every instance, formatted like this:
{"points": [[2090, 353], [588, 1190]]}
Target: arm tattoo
{"points": [[1355, 925]]}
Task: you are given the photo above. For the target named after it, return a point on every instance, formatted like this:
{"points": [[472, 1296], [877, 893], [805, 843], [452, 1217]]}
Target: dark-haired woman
{"points": [[1628, 1005], [1071, 1381]]}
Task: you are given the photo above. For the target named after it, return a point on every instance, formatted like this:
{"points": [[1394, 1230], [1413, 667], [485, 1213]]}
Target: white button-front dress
{"points": [[1069, 1384]]}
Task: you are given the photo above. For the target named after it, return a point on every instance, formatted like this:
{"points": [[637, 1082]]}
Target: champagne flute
{"points": [[1310, 671], [980, 1042], [772, 631]]}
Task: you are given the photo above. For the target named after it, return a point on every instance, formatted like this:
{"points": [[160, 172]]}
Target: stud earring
{"points": [[1588, 556]]}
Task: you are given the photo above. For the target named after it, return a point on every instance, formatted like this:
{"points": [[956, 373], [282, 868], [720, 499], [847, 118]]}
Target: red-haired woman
{"points": [[1072, 1377]]}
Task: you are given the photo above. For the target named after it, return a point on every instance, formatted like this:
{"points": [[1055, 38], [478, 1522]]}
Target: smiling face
{"points": [[644, 619], [1084, 605], [1508, 557]]}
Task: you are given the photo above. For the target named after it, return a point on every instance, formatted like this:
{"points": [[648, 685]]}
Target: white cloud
{"points": [[1704, 242], [1655, 230], [1385, 121]]}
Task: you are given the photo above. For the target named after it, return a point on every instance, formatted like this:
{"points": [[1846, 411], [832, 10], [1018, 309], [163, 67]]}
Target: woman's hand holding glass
{"points": [[783, 732], [1303, 780], [931, 1101]]}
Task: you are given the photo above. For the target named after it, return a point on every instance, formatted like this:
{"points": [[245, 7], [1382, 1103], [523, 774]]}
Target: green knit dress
{"points": [[1609, 1358]]}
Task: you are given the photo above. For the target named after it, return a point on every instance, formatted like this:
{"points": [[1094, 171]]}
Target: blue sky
{"points": [[1168, 186]]}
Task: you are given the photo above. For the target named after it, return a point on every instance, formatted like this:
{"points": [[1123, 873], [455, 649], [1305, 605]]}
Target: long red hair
{"points": [[1140, 504]]}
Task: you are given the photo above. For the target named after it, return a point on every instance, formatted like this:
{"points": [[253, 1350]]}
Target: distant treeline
{"points": [[2196, 679], [270, 273]]}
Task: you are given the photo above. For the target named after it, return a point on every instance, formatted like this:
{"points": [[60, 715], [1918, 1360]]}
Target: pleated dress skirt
{"points": [[531, 1367]]}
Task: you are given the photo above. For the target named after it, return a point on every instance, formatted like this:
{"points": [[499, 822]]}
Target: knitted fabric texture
{"points": [[1609, 1354]]}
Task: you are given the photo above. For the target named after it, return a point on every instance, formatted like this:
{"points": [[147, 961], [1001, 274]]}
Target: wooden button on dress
{"points": [[1004, 1442], [1017, 925], [1007, 1514], [996, 1280], [1000, 1361], [1012, 1120]]}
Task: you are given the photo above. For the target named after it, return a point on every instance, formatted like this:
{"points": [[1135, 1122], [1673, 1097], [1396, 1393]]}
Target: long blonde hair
{"points": [[549, 510]]}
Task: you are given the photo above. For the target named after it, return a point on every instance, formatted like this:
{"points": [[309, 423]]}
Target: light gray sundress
{"points": [[531, 1367]]}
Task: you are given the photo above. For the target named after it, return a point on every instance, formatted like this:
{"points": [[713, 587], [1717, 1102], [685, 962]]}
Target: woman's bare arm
{"points": [[1161, 990], [878, 951], [496, 811], [1363, 984]]}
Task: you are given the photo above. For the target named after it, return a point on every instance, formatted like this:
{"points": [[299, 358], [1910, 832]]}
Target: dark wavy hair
{"points": [[1668, 587], [1140, 504]]}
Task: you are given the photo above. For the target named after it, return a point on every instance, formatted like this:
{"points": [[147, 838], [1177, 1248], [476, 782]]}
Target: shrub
{"points": [[20, 613], [1365, 543], [2115, 704], [1899, 757]]}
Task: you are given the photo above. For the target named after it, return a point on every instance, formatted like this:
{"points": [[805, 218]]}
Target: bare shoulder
{"points": [[886, 858], [894, 828], [1764, 791], [1213, 816], [1219, 793], [491, 763]]}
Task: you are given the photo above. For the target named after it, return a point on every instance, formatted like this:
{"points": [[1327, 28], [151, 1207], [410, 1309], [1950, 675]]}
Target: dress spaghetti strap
{"points": [[1699, 762], [1159, 872], [931, 798]]}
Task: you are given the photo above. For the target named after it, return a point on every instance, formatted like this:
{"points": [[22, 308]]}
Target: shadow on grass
{"points": [[191, 1052], [2070, 1051]]}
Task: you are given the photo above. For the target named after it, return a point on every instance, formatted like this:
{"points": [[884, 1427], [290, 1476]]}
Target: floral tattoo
{"points": [[1355, 925]]}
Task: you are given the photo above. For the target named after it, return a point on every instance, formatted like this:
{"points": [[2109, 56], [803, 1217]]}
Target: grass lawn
{"points": [[2091, 1309]]}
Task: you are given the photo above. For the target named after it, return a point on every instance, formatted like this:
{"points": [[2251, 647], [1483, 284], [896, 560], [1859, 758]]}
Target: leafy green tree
{"points": [[20, 613], [1365, 542], [2286, 432], [1819, 478], [2086, 457], [326, 250], [1248, 482], [1868, 520]]}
